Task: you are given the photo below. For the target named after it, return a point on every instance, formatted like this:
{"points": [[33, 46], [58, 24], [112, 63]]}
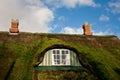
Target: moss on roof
{"points": [[19, 53]]}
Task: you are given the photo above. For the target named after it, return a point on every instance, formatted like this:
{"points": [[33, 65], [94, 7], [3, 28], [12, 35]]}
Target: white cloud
{"points": [[114, 6], [71, 3], [104, 18], [71, 30], [33, 15], [38, 21]]}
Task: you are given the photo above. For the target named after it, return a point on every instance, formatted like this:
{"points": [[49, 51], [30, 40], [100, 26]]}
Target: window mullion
{"points": [[60, 56]]}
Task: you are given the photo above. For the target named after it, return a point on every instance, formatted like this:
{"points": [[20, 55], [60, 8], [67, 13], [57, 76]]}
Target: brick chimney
{"points": [[14, 26], [86, 29]]}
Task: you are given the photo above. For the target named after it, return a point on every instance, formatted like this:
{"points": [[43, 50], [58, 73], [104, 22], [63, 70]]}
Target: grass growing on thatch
{"points": [[19, 53]]}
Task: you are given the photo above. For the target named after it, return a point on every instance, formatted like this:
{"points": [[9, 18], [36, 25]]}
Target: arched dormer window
{"points": [[60, 59]]}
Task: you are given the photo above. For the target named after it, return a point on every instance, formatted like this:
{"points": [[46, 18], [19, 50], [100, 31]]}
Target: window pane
{"points": [[55, 57], [58, 56], [63, 61], [66, 52], [55, 61], [53, 51], [58, 52], [58, 61], [63, 52], [63, 56]]}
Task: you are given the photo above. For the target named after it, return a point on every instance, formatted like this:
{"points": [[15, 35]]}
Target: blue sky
{"points": [[62, 16]]}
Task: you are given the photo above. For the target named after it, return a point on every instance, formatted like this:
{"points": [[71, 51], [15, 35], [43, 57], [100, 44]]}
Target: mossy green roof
{"points": [[19, 53]]}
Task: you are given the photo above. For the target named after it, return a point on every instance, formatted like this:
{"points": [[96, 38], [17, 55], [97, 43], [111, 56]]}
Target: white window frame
{"points": [[67, 57]]}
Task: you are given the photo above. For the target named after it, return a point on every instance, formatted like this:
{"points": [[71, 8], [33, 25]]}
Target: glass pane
{"points": [[66, 52], [63, 61], [63, 56], [58, 56], [63, 52], [58, 61], [53, 51], [58, 52], [55, 61], [55, 57]]}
